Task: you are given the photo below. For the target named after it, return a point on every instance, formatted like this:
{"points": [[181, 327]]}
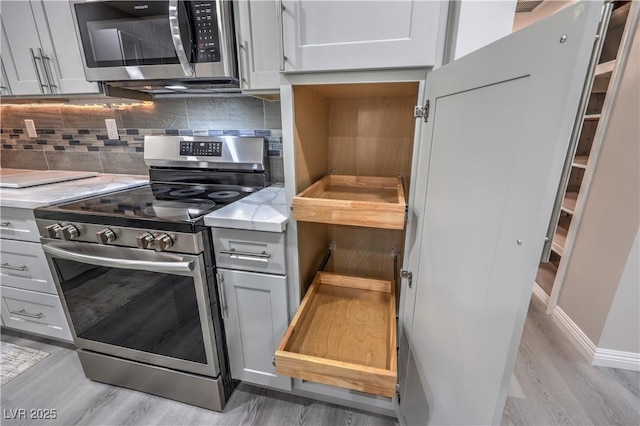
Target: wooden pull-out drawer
{"points": [[34, 312], [375, 202], [18, 224], [24, 265], [253, 251], [344, 334]]}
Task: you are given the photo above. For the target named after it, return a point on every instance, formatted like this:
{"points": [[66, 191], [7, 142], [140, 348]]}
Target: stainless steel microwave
{"points": [[156, 40]]}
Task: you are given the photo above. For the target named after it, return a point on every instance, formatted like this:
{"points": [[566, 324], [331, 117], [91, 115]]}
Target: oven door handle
{"points": [[167, 267]]}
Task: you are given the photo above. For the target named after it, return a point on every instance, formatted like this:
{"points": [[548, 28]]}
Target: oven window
{"points": [[146, 311], [126, 33]]}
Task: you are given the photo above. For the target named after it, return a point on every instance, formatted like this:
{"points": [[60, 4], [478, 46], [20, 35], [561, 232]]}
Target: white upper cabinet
{"points": [[347, 35], [40, 52], [259, 47]]}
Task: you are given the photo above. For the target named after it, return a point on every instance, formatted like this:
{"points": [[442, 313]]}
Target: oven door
{"points": [[134, 40], [136, 304]]}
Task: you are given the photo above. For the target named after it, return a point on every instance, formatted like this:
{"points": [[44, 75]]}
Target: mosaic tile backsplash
{"points": [[75, 138]]}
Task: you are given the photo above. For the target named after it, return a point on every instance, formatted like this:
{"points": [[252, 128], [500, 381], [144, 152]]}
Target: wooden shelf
{"points": [[591, 117], [605, 69], [375, 202], [569, 202], [580, 161], [559, 240], [546, 276], [344, 334]]}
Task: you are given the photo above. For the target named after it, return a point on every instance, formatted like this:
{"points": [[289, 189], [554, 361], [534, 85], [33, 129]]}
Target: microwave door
{"points": [[114, 45]]}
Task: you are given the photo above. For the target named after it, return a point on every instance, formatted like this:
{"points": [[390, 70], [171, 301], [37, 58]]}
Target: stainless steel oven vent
{"points": [[527, 5]]}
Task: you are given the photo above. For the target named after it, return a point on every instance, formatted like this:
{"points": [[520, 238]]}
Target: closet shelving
{"points": [[551, 274]]}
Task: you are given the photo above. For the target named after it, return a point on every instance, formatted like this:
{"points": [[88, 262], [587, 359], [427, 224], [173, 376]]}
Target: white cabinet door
{"points": [[5, 88], [60, 44], [255, 320], [259, 50], [40, 51], [492, 154], [346, 35], [20, 43]]}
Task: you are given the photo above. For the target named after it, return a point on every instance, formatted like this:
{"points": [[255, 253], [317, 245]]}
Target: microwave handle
{"points": [[174, 25]]}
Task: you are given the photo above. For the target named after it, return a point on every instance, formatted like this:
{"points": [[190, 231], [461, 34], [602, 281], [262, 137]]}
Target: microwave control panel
{"points": [[206, 29]]}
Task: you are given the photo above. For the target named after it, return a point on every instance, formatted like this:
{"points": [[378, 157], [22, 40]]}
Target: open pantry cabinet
{"points": [[582, 159], [354, 146], [478, 176]]}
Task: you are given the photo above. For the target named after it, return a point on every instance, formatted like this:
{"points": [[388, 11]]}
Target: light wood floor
{"points": [[558, 387]]}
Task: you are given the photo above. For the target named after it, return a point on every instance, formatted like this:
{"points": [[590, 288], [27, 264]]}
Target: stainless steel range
{"points": [[135, 269]]}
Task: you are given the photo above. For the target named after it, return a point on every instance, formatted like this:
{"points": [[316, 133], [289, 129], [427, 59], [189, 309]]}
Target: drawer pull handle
{"points": [[24, 313], [13, 268], [234, 252], [5, 224]]}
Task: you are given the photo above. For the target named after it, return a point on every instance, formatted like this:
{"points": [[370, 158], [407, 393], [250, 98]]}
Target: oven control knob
{"points": [[105, 236], [68, 232], [145, 240], [52, 230], [163, 242]]}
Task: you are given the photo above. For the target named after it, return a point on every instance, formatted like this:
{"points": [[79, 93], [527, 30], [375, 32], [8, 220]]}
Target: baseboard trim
{"points": [[617, 359], [596, 356], [540, 294], [584, 344]]}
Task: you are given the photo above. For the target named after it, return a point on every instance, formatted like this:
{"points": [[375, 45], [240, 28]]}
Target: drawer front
{"points": [[23, 265], [250, 250], [33, 312], [18, 224]]}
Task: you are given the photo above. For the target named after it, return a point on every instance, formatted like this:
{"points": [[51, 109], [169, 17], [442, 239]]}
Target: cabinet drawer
{"points": [[250, 250], [24, 265], [34, 312], [344, 334], [18, 224]]}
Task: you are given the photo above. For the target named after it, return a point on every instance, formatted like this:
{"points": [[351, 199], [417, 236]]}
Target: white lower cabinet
{"points": [[30, 301], [255, 319], [34, 312]]}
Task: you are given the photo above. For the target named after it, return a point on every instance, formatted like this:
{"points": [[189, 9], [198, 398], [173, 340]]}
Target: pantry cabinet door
{"points": [[492, 153], [360, 34]]}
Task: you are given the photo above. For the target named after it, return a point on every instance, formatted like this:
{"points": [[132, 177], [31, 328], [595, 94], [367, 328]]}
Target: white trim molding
{"points": [[596, 356], [616, 359]]}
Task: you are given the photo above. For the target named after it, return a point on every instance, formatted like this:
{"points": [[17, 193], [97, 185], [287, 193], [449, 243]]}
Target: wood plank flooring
{"points": [[558, 387]]}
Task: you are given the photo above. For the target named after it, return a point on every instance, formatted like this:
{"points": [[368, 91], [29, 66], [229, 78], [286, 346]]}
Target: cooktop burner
{"points": [[156, 206]]}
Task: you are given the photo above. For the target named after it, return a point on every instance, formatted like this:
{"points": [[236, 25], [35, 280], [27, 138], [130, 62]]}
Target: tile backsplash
{"points": [[75, 138]]}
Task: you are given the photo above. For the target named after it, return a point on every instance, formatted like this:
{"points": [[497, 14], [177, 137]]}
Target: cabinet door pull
{"points": [[234, 252], [48, 73], [279, 15], [223, 301], [13, 268], [24, 313], [5, 224], [35, 58]]}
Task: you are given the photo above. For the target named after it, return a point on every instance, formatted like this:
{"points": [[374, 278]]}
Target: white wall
{"points": [[478, 23], [622, 329]]}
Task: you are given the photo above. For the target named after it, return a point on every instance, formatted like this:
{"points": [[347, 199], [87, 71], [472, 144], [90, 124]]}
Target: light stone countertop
{"points": [[63, 192], [264, 210]]}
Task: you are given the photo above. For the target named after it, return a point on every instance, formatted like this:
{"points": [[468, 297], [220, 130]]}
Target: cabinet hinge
{"points": [[408, 275], [406, 213], [422, 111], [398, 392]]}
